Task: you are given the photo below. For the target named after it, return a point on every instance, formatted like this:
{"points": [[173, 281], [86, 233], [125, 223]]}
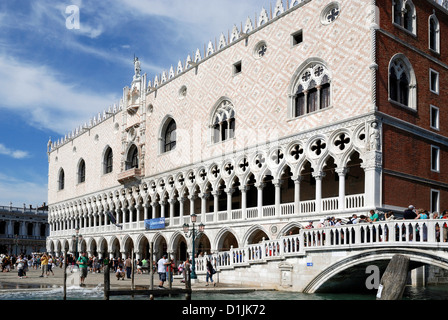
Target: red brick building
{"points": [[412, 58]]}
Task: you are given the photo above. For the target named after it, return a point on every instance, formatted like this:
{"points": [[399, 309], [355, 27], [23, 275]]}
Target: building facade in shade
{"points": [[23, 230], [311, 109]]}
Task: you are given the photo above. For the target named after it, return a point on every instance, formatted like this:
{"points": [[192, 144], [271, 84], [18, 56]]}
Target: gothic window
{"points": [[313, 90], [82, 172], [132, 159], [330, 13], [224, 124], [61, 181], [397, 12], [434, 34], [402, 83], [405, 15], [260, 49], [108, 161], [169, 137]]}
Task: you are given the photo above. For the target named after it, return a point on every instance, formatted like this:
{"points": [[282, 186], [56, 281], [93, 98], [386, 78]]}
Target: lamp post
{"points": [[193, 234], [76, 238]]}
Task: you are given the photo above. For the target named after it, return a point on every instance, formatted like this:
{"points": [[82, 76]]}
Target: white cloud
{"points": [[44, 99], [207, 19], [19, 191], [16, 154]]}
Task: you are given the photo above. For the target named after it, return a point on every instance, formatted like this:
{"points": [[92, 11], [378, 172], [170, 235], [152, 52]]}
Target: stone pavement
{"points": [[11, 281]]}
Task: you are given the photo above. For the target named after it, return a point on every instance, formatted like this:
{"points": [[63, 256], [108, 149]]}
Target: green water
{"points": [[428, 293]]}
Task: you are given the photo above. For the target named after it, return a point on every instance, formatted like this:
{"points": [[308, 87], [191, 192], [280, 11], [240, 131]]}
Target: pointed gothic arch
{"points": [[310, 89], [402, 82], [222, 121]]}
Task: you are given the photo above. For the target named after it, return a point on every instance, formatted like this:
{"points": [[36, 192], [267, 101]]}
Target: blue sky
{"points": [[54, 79]]}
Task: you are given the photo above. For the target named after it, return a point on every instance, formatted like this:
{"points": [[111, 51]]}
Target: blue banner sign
{"points": [[155, 224]]}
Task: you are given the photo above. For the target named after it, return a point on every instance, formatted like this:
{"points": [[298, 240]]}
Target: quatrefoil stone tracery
{"points": [[318, 147], [342, 141], [244, 165], [296, 152], [277, 156], [228, 168], [259, 161]]}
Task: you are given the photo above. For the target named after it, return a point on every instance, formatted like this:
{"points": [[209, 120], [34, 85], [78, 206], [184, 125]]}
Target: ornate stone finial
{"points": [[137, 67], [445, 4], [49, 145]]}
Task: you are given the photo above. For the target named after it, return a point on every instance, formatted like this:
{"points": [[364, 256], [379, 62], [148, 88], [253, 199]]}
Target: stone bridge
{"points": [[322, 259]]}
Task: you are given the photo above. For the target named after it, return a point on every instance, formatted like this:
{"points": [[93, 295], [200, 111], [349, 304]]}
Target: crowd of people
{"points": [[166, 268], [23, 263], [411, 213]]}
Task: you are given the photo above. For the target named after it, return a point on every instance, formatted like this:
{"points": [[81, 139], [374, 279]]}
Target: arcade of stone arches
{"points": [[299, 181], [177, 246]]}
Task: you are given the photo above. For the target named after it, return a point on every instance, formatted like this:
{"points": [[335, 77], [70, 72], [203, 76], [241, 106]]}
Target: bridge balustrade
{"points": [[423, 233]]}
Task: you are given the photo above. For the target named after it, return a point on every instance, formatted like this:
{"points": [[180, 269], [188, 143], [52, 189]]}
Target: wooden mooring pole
{"points": [[393, 282], [187, 282], [107, 281], [151, 292], [64, 266], [151, 269]]}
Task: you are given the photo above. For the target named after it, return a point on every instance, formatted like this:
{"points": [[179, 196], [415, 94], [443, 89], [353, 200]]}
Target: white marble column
{"points": [[278, 193], [181, 211], [243, 190], [318, 176], [215, 205], [260, 187], [297, 182], [229, 193], [342, 173]]}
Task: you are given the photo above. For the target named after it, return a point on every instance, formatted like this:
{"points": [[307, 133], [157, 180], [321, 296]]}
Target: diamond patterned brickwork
{"points": [[260, 92]]}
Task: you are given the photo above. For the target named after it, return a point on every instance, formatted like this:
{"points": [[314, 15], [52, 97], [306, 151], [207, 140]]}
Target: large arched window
{"points": [[168, 136], [224, 124], [132, 158], [434, 34], [404, 15], [108, 164], [312, 90], [61, 180], [82, 171], [402, 82]]}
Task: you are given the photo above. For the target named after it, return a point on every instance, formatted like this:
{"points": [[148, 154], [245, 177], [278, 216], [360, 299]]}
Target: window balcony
{"points": [[130, 175]]}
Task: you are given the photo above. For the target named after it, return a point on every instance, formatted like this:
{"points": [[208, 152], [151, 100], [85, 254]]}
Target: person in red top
{"points": [[445, 226], [310, 225]]}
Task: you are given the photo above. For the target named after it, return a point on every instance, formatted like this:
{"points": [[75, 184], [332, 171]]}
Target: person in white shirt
{"points": [[161, 269], [20, 267], [120, 273]]}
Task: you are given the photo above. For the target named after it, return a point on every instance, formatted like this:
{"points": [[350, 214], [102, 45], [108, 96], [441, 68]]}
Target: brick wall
{"points": [[405, 151]]}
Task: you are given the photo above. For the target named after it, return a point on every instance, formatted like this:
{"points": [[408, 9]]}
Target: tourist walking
{"points": [[210, 272], [50, 265], [44, 265], [161, 269], [21, 262], [82, 262], [128, 266]]}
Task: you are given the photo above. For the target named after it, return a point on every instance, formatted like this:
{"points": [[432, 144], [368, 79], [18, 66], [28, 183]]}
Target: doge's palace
{"points": [[274, 124]]}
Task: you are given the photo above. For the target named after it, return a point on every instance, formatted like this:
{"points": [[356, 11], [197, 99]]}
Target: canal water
{"points": [[76, 293]]}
